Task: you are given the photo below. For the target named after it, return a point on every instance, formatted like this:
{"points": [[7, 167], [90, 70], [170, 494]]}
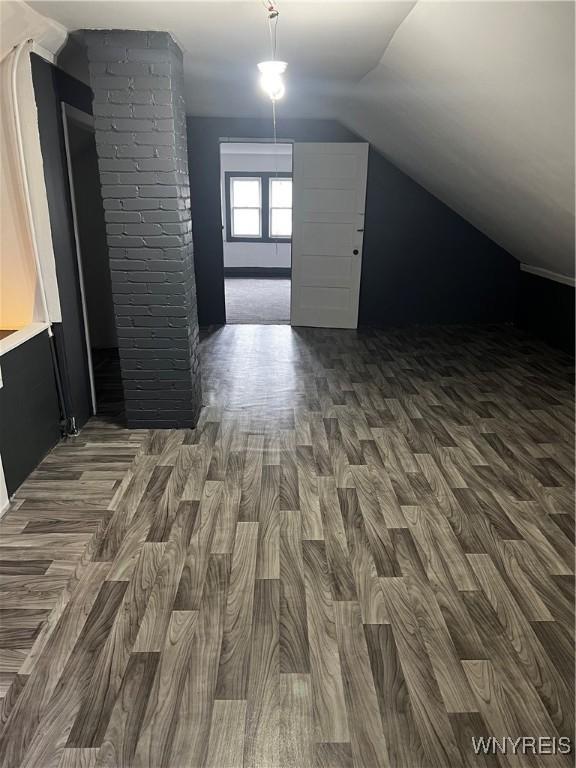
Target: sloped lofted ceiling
{"points": [[329, 45], [18, 22], [474, 100]]}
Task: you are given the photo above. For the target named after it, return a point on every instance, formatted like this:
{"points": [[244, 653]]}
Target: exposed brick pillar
{"points": [[140, 122]]}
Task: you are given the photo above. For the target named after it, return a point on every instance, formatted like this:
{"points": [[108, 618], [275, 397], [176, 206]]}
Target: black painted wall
{"points": [[92, 236], [422, 263], [546, 309], [29, 411]]}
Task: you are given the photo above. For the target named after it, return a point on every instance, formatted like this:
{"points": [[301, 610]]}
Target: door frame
{"points": [[52, 86], [225, 213], [85, 121]]}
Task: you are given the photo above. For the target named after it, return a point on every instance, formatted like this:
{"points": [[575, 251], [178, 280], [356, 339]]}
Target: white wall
{"points": [[254, 158], [18, 283], [20, 297], [36, 183], [18, 22]]}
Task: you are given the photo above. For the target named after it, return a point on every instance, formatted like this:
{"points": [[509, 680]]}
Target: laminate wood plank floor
{"points": [[362, 557]]}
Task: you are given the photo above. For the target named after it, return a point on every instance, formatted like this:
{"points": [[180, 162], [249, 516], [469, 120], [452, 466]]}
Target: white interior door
{"points": [[329, 198]]}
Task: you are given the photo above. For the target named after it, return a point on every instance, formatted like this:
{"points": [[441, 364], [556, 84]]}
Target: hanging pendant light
{"points": [[271, 71], [271, 80]]}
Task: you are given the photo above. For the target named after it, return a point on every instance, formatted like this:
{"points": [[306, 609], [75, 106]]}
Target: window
{"points": [[258, 207], [246, 204], [280, 207]]}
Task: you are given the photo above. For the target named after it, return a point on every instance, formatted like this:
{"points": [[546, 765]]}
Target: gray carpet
{"points": [[257, 300]]}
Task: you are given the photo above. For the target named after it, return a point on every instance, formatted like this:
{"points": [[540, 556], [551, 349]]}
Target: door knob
{"points": [[355, 251]]}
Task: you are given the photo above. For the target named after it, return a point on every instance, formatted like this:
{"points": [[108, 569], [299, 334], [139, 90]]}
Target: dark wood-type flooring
{"points": [[361, 558]]}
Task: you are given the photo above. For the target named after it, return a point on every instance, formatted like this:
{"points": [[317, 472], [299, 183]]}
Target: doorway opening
{"points": [[256, 189], [93, 268]]}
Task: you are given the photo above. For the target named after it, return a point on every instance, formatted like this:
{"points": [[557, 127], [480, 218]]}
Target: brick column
{"points": [[140, 124]]}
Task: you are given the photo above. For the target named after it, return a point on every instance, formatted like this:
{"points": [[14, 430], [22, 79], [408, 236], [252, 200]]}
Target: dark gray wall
{"points": [[422, 263], [92, 235], [546, 309], [72, 58], [140, 123], [29, 412]]}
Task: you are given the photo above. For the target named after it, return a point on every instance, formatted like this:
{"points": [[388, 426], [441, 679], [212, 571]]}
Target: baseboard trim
{"points": [[548, 275], [282, 272]]}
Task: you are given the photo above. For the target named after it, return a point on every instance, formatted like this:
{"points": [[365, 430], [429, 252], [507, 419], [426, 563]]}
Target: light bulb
{"points": [[271, 78]]}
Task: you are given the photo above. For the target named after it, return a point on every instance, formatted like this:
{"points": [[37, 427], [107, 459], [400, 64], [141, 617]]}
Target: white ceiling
{"points": [[474, 100], [18, 22], [328, 45]]}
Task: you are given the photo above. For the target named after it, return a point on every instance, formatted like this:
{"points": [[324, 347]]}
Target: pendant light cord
{"points": [[273, 15]]}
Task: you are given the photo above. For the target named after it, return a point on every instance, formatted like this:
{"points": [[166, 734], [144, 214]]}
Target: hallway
{"points": [[257, 300], [360, 558]]}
